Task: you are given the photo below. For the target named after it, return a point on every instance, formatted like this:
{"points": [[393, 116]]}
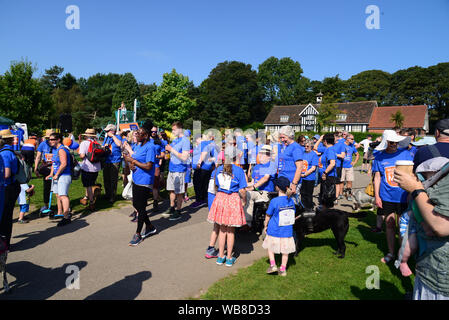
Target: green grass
{"points": [[317, 274]]}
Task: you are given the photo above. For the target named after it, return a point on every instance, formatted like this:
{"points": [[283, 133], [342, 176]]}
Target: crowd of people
{"points": [[233, 171]]}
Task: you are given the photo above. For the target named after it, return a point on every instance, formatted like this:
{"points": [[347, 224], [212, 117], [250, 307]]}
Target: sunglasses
{"points": [[392, 142], [52, 139]]}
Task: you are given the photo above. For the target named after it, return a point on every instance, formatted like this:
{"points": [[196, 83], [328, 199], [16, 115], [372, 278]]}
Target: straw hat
{"points": [[89, 133], [48, 133], [5, 134], [110, 127]]}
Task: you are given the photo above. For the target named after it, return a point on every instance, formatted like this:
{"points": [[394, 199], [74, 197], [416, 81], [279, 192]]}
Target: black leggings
{"points": [[140, 198], [11, 194], [306, 191], [201, 179], [47, 190]]}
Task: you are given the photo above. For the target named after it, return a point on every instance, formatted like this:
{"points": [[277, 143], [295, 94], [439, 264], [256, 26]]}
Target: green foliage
{"points": [[328, 111], [127, 90], [170, 102], [283, 82], [22, 98], [52, 78], [231, 96], [397, 119], [369, 85]]}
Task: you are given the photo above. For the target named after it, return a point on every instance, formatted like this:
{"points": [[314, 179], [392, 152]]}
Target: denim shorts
{"points": [[61, 186]]}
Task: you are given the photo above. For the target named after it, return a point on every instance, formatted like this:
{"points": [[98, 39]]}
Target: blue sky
{"points": [[149, 38]]}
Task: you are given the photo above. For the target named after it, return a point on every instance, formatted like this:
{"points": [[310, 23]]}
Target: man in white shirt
{"points": [[365, 143]]}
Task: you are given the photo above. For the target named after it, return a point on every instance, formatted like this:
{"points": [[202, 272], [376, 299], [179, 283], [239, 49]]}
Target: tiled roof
{"points": [[414, 117]]}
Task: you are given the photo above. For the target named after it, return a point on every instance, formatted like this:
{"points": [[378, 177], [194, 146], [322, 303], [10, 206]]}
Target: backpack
{"points": [[96, 152], [23, 174], [75, 168]]}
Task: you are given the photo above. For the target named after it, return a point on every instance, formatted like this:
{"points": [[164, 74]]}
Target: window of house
{"points": [[341, 117], [284, 118]]}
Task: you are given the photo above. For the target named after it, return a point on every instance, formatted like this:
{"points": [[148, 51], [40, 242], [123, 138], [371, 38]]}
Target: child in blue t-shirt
{"points": [[279, 226]]}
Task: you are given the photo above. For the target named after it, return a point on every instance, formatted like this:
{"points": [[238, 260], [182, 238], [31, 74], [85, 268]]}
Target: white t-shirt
{"points": [[365, 143], [86, 165]]}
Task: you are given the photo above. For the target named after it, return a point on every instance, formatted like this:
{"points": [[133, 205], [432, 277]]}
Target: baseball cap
{"points": [[317, 136], [282, 183], [110, 127], [443, 126]]}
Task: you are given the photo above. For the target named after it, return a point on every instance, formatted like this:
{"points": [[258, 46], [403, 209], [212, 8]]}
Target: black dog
{"points": [[334, 219]]}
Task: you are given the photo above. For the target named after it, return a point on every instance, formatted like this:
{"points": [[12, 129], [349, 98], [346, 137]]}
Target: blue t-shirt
{"points": [[328, 155], [181, 145], [280, 147], [2, 187], [17, 140], [350, 150], [211, 152], [384, 163], [238, 180], [252, 152], [242, 145], [46, 150], [309, 160], [412, 151], [196, 155], [9, 161], [339, 148], [261, 170], [144, 154], [116, 154], [57, 162], [157, 152], [287, 159], [276, 205]]}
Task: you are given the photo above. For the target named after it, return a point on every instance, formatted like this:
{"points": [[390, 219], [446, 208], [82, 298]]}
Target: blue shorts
{"points": [[24, 208], [61, 186]]}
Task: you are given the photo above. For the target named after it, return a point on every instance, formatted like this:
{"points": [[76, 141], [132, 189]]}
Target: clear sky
{"points": [[149, 38]]}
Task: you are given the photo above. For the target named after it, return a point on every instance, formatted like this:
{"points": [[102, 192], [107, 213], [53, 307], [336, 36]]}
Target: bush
{"points": [[358, 136]]}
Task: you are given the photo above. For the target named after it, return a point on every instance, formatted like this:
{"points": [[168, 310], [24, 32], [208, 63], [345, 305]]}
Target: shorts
{"points": [[391, 207], [88, 178], [347, 174], [339, 170], [175, 182], [61, 186], [188, 177]]}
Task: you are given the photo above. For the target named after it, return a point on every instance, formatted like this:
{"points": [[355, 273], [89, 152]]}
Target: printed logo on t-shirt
{"points": [[48, 157], [389, 176], [320, 165], [305, 166]]}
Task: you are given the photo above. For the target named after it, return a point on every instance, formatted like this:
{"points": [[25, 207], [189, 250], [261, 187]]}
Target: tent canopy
{"points": [[5, 121]]}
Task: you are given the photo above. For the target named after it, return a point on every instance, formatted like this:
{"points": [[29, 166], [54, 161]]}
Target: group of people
{"points": [[232, 172]]}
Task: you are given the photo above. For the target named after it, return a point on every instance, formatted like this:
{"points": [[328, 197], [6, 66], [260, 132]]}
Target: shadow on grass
{"points": [[386, 291], [36, 282], [34, 239], [126, 289]]}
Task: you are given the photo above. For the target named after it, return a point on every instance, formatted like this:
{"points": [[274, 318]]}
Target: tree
{"points": [[170, 102], [328, 112], [127, 90], [67, 81], [332, 87], [22, 97], [231, 96], [369, 85], [52, 78], [283, 82], [398, 119]]}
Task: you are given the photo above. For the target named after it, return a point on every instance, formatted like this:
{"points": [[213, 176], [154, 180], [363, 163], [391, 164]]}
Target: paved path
{"points": [[169, 265]]}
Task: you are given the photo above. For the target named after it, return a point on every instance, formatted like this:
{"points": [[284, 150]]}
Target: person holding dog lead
{"points": [[279, 223]]}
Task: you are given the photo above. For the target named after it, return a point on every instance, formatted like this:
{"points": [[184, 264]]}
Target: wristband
{"points": [[417, 192]]}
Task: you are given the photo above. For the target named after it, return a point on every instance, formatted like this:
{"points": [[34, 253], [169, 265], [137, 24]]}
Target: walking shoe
{"points": [[135, 240], [211, 253], [202, 204], [272, 269], [350, 198], [43, 209], [340, 197], [133, 215], [186, 199], [283, 273], [195, 204], [63, 222], [134, 219], [168, 213], [230, 262], [175, 216], [149, 232], [22, 221], [220, 261]]}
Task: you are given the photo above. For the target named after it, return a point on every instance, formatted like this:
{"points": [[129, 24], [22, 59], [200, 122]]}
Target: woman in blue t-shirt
{"points": [[227, 207], [141, 161], [61, 177], [309, 166], [279, 223]]}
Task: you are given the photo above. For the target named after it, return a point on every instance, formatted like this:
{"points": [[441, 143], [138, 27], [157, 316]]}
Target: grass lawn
{"points": [[317, 274]]}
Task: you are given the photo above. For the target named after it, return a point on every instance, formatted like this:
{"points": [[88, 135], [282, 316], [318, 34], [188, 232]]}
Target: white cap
{"points": [[389, 135]]}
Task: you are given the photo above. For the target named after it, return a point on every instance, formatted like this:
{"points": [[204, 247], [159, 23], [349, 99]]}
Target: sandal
{"points": [[389, 257]]}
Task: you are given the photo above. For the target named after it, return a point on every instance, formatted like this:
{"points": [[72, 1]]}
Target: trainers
{"points": [[22, 221], [283, 273], [133, 215], [135, 240], [43, 209], [211, 253], [175, 216], [340, 197], [168, 213], [149, 232], [63, 222], [196, 204], [350, 198], [272, 269], [202, 204], [220, 261], [134, 219], [230, 262]]}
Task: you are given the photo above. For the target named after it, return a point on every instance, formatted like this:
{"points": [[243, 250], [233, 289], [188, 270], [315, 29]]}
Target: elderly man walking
{"points": [[111, 169]]}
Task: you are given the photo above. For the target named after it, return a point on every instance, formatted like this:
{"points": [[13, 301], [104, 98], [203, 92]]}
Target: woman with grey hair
{"points": [[290, 158]]}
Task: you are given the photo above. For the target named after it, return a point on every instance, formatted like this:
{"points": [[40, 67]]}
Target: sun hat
{"points": [[89, 133], [266, 147], [389, 135], [443, 126], [425, 141], [48, 133], [5, 134], [110, 127]]}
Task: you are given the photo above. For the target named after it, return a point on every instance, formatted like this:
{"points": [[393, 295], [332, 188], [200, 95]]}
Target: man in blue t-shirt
{"points": [[390, 198], [340, 151], [329, 177], [111, 168], [262, 183], [309, 168], [179, 151], [347, 173]]}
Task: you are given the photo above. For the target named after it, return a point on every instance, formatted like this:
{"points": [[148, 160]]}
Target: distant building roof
{"points": [[414, 117]]}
